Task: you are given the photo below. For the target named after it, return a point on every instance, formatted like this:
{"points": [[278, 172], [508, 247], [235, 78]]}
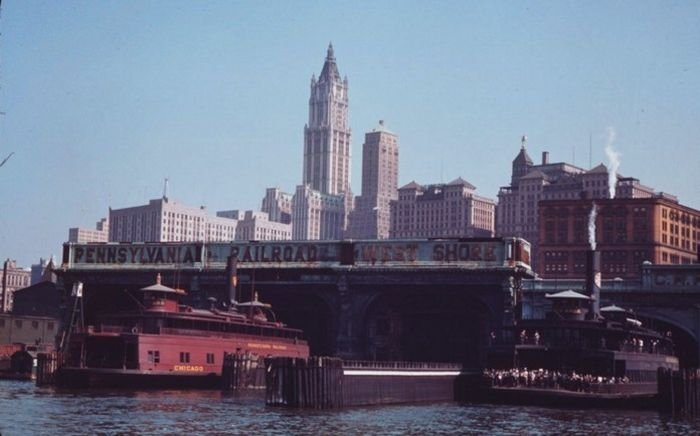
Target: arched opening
{"points": [[410, 327], [307, 312], [685, 346]]}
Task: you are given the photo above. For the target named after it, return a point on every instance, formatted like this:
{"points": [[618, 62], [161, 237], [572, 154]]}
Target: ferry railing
{"points": [[378, 364], [221, 334], [554, 380], [586, 344]]}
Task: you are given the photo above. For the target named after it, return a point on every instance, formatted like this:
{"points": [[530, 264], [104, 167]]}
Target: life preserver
{"points": [[134, 330]]}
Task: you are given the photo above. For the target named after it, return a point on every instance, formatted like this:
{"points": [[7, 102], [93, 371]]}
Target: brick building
{"points": [[628, 232]]}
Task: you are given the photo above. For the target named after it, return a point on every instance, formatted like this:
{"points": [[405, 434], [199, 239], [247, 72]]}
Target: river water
{"points": [[29, 410]]}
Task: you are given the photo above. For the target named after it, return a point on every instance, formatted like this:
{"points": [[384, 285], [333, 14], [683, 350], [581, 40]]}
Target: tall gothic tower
{"points": [[327, 134]]}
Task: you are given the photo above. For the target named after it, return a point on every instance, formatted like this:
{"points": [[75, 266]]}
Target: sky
{"points": [[103, 100]]}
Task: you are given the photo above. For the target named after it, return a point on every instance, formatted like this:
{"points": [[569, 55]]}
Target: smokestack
{"points": [[545, 157], [591, 226], [593, 282], [232, 275]]}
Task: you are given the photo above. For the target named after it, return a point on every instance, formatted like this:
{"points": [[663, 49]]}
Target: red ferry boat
{"points": [[164, 344]]}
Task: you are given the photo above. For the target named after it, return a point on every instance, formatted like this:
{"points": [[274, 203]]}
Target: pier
{"points": [[330, 383]]}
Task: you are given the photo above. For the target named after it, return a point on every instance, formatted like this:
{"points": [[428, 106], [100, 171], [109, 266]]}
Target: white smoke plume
{"points": [[613, 161], [591, 226]]}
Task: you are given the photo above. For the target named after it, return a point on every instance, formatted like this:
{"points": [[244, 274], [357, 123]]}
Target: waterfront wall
{"points": [[324, 383]]}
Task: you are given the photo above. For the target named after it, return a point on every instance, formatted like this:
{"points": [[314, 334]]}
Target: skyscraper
{"points": [[322, 202], [327, 134], [371, 218]]}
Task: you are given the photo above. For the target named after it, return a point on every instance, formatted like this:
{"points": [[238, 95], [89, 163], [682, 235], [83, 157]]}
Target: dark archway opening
{"points": [[685, 347], [306, 312], [405, 326]]}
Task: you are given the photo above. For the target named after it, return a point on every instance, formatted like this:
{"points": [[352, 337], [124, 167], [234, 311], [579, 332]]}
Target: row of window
{"points": [[16, 279], [35, 324], [154, 357]]}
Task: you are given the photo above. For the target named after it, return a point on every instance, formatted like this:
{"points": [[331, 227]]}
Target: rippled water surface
{"points": [[29, 410]]}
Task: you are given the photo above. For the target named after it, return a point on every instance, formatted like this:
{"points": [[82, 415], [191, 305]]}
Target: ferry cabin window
{"points": [[153, 356], [35, 324], [210, 358], [2, 323], [49, 325], [18, 323], [184, 357]]}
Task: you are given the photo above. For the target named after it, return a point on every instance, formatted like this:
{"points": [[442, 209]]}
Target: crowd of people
{"points": [[548, 379]]}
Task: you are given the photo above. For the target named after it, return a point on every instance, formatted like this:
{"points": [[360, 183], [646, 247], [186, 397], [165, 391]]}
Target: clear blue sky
{"points": [[104, 99]]}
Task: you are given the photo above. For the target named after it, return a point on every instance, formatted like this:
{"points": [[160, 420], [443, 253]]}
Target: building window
{"points": [[2, 323], [18, 323], [49, 325], [154, 356], [35, 324], [184, 357], [210, 358]]}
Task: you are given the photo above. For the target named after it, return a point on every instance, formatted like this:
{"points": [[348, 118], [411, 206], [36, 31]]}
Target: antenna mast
{"points": [[165, 185]]}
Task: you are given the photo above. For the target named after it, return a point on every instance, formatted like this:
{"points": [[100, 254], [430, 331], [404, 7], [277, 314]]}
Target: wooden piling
{"points": [[315, 382], [242, 371], [679, 391], [47, 365]]}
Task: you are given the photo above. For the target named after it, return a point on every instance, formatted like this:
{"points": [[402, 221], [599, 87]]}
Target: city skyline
{"points": [[104, 101]]}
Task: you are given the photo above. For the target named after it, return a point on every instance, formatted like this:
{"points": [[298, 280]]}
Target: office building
{"points": [[371, 217], [166, 220], [451, 210], [326, 176], [628, 232]]}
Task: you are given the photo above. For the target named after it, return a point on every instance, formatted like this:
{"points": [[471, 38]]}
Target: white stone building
{"points": [[166, 220], [371, 217], [82, 235], [451, 210], [256, 226]]}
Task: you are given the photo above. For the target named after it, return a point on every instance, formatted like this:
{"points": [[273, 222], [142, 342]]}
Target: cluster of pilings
{"points": [[242, 371], [314, 383], [679, 391], [325, 382], [47, 364]]}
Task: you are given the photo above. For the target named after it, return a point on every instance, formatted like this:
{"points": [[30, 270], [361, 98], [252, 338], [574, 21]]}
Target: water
{"points": [[29, 410]]}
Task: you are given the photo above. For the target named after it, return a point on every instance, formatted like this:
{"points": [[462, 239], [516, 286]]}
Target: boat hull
{"points": [[89, 378], [630, 396], [183, 361]]}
